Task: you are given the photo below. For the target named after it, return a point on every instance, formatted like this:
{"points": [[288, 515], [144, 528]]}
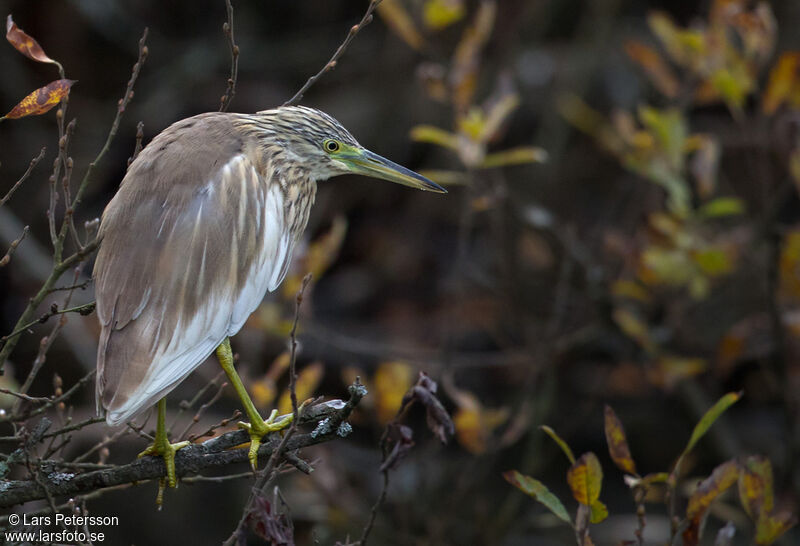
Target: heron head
{"points": [[329, 149]]}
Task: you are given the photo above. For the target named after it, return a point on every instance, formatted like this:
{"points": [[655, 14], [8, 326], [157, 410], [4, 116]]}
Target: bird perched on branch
{"points": [[203, 224]]}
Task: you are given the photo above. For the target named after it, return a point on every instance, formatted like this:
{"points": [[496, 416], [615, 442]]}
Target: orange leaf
{"points": [[307, 382], [784, 82], [657, 70], [41, 100], [585, 478], [724, 476], [391, 381], [25, 44], [617, 443]]}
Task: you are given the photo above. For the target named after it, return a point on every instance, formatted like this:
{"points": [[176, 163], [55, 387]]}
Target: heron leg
{"points": [[162, 447], [257, 427]]}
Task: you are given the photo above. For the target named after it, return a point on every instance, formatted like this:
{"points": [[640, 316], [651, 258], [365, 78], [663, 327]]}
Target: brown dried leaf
{"points": [[401, 439], [438, 420], [24, 43], [723, 477], [41, 100], [617, 443]]}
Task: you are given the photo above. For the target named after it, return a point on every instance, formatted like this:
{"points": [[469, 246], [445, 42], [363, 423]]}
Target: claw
{"points": [[260, 428]]}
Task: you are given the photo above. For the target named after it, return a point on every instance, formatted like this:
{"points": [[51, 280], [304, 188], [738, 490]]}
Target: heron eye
{"points": [[331, 146]]}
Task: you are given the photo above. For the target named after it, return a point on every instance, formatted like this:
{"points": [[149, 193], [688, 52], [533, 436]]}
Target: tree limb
{"points": [[215, 452]]}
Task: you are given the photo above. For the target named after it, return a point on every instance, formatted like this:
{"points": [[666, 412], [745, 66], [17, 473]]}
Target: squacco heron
{"points": [[203, 224]]}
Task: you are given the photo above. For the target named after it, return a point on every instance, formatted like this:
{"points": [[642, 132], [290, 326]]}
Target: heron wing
{"points": [[178, 271]]}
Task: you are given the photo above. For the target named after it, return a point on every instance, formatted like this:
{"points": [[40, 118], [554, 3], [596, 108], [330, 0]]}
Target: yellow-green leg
{"points": [[162, 447], [257, 427]]}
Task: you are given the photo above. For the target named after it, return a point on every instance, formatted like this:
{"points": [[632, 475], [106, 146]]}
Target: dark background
{"points": [[483, 298]]}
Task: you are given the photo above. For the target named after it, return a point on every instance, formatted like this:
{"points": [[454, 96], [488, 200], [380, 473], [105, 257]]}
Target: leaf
{"points": [[391, 381], [713, 261], [755, 486], [26, 45], [599, 512], [434, 135], [319, 256], [771, 527], [514, 156], [789, 264], [783, 84], [466, 59], [633, 327], [561, 443], [585, 477], [445, 177], [41, 100], [496, 115], [475, 424], [539, 492], [617, 443], [710, 417], [657, 70], [400, 22], [670, 130], [721, 207], [439, 14], [723, 477]]}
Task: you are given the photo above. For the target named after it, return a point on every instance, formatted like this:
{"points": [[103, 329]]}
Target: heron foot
{"points": [[259, 428], [161, 447]]}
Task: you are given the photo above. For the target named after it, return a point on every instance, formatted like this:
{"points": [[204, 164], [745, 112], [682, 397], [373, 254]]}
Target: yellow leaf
{"points": [[475, 424], [434, 135], [391, 380], [789, 265], [783, 83], [755, 486], [445, 178], [771, 527], [599, 512], [464, 74], [514, 156], [319, 256], [41, 100], [439, 14], [633, 327], [400, 22], [585, 478]]}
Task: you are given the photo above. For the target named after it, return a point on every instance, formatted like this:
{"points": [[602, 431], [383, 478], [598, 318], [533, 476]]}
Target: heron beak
{"points": [[371, 164]]}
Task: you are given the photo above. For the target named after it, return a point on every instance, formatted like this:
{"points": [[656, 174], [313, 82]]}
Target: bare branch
{"points": [[35, 161], [216, 452], [227, 28], [13, 246], [331, 64]]}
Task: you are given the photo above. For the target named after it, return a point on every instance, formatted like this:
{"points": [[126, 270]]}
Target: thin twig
{"points": [[331, 64], [84, 309], [138, 147], [13, 247], [227, 28], [266, 475], [35, 161]]}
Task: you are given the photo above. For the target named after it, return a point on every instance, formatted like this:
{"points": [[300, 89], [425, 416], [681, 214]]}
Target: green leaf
{"points": [[561, 443], [514, 156], [539, 492], [722, 206], [710, 417]]}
